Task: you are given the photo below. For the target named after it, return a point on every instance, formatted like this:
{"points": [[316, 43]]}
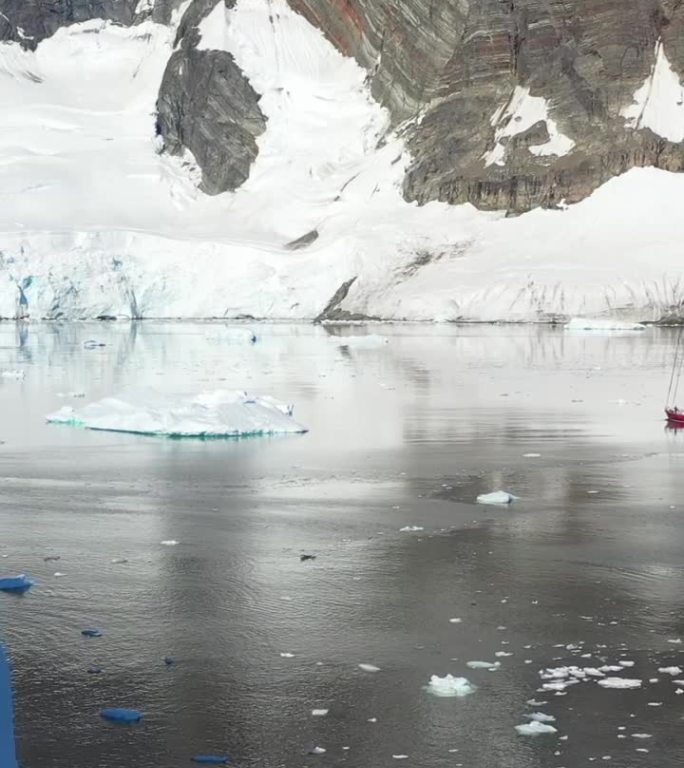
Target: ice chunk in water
{"points": [[619, 682], [450, 686], [221, 413], [670, 671], [483, 664], [540, 717], [319, 712], [411, 529], [369, 668], [498, 497], [535, 728]]}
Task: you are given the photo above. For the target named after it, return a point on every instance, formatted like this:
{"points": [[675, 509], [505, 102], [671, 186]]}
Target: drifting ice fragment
{"points": [[15, 583], [369, 668], [498, 497], [319, 712], [217, 414], [317, 751], [116, 715], [450, 686], [411, 529], [670, 671], [619, 682], [535, 729], [169, 543], [540, 717], [483, 664]]}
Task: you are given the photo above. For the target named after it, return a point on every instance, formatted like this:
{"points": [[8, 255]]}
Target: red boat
{"points": [[675, 417]]}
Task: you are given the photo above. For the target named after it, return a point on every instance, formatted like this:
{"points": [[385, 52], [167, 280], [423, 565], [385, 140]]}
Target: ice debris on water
{"points": [[411, 529], [16, 375], [450, 686], [601, 325], [317, 751], [169, 543], [541, 717], [217, 414], [483, 664], [455, 621], [535, 728], [319, 712], [369, 668], [619, 682], [670, 671], [497, 498]]}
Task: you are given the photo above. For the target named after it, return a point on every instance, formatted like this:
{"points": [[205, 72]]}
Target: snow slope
{"points": [[94, 221]]}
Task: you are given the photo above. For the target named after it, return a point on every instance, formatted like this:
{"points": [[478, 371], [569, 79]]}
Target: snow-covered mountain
{"points": [[231, 158]]}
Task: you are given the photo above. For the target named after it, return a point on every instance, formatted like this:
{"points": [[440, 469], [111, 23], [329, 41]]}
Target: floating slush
{"points": [[116, 715], [15, 583]]}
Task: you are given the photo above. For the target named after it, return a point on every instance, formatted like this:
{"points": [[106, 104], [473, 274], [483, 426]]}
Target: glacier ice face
{"points": [[221, 413]]}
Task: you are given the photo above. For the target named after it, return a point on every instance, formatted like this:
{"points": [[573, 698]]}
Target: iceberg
{"points": [[619, 682], [498, 497], [217, 414], [483, 664], [450, 686]]}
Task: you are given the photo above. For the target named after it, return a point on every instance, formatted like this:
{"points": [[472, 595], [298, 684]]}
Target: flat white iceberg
{"points": [[411, 529], [535, 728], [369, 668], [498, 497], [601, 324], [619, 682], [216, 414], [483, 664], [450, 686]]}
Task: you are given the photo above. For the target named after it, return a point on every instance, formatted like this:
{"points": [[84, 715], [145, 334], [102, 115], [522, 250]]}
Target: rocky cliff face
{"points": [[453, 66], [507, 104]]}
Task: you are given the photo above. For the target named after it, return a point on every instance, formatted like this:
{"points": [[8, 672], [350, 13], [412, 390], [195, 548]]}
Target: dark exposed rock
{"points": [[455, 62], [303, 242], [208, 106], [30, 21]]}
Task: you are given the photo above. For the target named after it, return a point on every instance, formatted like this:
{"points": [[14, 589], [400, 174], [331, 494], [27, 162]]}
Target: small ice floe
{"points": [[450, 686], [372, 719], [287, 655], [535, 703], [20, 583], [601, 325], [317, 751], [642, 736], [483, 664], [535, 728], [58, 574], [169, 543], [619, 682], [400, 757], [455, 621], [675, 641], [411, 529], [610, 668], [370, 341], [369, 668], [16, 375], [119, 560], [502, 654], [625, 663], [670, 671], [531, 455], [501, 498], [319, 712], [541, 717], [559, 685]]}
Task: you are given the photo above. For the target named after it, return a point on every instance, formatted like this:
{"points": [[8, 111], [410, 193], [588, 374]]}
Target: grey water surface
{"points": [[585, 569]]}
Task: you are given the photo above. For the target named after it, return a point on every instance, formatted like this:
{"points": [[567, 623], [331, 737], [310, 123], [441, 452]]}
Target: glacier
{"points": [[96, 221]]}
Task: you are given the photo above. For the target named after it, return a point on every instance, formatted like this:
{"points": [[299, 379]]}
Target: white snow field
{"points": [[222, 413], [93, 221]]}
